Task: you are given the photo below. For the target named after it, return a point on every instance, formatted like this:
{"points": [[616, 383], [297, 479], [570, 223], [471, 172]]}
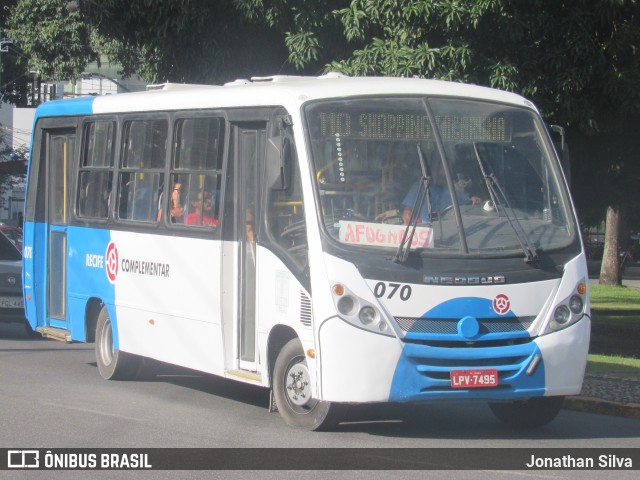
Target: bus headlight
{"points": [[346, 305], [576, 304], [368, 315], [568, 311], [562, 314], [359, 312]]}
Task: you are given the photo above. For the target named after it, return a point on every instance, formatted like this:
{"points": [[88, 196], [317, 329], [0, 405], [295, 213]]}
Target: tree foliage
{"points": [[312, 34], [579, 61], [56, 41], [196, 41], [14, 68]]}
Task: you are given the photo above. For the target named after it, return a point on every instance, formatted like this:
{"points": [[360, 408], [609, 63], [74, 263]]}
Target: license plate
{"points": [[474, 378], [11, 302]]}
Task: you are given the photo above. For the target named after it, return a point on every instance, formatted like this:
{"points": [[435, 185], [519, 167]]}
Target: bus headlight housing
{"points": [[576, 304], [359, 312], [568, 311], [562, 314], [368, 315]]}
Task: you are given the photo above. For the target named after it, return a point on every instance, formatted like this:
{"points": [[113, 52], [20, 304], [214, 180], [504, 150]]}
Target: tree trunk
{"points": [[610, 269]]}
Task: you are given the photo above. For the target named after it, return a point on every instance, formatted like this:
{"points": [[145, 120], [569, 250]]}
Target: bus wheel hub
{"points": [[298, 385]]}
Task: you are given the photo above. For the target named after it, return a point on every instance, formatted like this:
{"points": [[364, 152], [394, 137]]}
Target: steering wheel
{"points": [[468, 208], [393, 217]]}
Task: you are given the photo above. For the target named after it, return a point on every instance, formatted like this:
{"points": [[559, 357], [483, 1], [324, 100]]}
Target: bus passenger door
{"points": [[249, 150], [60, 146]]}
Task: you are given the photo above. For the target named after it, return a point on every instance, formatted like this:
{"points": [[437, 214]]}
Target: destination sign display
{"points": [[411, 126]]}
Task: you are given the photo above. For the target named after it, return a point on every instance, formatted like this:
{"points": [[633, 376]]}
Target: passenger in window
{"points": [[249, 225], [177, 205], [202, 214]]}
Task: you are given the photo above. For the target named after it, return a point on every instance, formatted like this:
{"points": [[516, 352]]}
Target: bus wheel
{"points": [[292, 392], [112, 364], [530, 413]]}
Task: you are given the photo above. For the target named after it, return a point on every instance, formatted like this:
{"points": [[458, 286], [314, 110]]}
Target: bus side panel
{"points": [[87, 276], [565, 357], [34, 239], [168, 298], [162, 293], [356, 365]]}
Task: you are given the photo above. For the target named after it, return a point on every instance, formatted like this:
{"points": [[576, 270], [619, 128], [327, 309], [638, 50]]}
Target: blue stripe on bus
{"points": [[423, 369], [84, 278], [74, 106], [86, 275]]}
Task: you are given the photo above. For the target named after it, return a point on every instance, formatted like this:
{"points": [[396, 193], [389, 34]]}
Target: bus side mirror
{"points": [[562, 148], [279, 159], [285, 164]]}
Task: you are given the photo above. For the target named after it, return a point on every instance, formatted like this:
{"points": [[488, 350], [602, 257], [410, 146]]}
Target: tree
{"points": [[15, 81], [194, 41], [578, 61], [56, 41], [311, 31]]}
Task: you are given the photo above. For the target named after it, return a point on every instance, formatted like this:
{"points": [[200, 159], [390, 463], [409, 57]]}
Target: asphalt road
{"points": [[51, 396]]}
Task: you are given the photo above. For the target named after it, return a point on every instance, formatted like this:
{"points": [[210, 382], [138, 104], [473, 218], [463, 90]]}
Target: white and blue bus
{"points": [[336, 240]]}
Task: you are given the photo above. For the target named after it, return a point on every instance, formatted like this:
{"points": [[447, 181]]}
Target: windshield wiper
{"points": [[423, 193], [500, 201]]}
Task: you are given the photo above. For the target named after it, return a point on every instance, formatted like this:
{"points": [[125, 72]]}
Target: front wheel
{"points": [[292, 392], [530, 413], [112, 363]]}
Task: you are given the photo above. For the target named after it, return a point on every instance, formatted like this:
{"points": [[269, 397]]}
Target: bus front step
{"points": [[59, 334]]}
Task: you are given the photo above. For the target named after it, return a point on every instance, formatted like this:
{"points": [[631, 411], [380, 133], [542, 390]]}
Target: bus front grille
{"points": [[449, 326]]}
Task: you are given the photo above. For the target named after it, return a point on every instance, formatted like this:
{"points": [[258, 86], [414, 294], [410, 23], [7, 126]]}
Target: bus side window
{"points": [[196, 172], [96, 163], [141, 174]]}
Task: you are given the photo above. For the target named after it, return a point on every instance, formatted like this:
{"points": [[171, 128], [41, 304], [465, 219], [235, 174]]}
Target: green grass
{"points": [[601, 317], [614, 333], [613, 365], [606, 297]]}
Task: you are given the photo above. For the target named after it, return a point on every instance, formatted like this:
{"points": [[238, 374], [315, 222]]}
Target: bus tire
{"points": [[112, 363], [530, 413], [292, 392]]}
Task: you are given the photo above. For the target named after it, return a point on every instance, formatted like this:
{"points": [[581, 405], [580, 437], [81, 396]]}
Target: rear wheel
{"points": [[530, 413], [113, 364], [292, 392]]}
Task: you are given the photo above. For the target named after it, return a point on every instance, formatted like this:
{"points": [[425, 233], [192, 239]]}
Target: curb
{"points": [[602, 407]]}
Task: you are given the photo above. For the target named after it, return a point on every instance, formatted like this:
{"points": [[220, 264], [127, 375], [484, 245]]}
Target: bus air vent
{"points": [[305, 309]]}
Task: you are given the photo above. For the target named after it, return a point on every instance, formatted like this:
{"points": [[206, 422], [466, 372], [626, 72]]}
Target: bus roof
{"points": [[288, 91]]}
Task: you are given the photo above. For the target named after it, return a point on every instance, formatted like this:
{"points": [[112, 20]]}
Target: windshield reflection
{"points": [[367, 159]]}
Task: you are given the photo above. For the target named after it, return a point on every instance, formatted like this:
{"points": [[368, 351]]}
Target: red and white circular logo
{"points": [[501, 304], [112, 262]]}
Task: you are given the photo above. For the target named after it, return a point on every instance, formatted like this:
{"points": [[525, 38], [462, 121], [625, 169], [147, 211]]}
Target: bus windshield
{"points": [[482, 182]]}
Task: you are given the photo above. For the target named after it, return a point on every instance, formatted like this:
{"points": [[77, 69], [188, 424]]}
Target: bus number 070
{"points": [[381, 289]]}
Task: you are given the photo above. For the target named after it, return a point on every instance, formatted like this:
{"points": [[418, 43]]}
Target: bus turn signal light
{"points": [[338, 289]]}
